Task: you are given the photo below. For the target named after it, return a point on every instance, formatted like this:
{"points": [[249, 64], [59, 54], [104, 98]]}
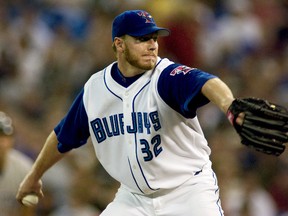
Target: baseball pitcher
{"points": [[140, 113]]}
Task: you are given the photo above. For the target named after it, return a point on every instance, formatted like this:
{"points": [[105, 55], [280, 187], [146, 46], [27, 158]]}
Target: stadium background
{"points": [[49, 48]]}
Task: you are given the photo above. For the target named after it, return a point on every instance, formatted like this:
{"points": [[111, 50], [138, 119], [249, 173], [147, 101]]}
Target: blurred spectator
{"points": [[90, 191], [279, 188], [79, 200], [233, 35], [183, 20], [253, 199], [13, 167]]}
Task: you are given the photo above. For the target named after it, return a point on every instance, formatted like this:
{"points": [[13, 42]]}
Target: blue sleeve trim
{"points": [[180, 87], [73, 130]]}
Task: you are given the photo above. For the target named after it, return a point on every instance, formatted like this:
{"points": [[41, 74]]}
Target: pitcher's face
{"points": [[141, 52]]}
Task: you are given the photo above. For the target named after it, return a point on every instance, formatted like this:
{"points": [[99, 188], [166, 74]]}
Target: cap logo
{"points": [[148, 18]]}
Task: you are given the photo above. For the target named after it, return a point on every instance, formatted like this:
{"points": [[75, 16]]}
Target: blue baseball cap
{"points": [[136, 23]]}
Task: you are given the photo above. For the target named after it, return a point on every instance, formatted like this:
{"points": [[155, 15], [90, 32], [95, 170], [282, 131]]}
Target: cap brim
{"points": [[161, 32]]}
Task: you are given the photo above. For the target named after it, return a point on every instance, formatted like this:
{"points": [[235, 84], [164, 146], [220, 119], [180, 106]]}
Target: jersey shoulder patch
{"points": [[181, 69]]}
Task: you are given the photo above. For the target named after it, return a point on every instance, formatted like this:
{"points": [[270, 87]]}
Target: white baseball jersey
{"points": [[146, 135]]}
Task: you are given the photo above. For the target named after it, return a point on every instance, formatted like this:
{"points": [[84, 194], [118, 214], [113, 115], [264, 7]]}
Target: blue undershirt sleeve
{"points": [[180, 87], [73, 130]]}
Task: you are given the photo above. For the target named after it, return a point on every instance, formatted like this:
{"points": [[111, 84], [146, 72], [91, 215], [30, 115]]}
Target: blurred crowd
{"points": [[49, 48]]}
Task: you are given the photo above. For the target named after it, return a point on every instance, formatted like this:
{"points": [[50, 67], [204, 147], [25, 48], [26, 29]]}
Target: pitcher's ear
{"points": [[118, 44]]}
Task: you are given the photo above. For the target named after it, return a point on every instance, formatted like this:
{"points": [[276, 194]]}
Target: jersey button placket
{"points": [[126, 98], [129, 137], [127, 109]]}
